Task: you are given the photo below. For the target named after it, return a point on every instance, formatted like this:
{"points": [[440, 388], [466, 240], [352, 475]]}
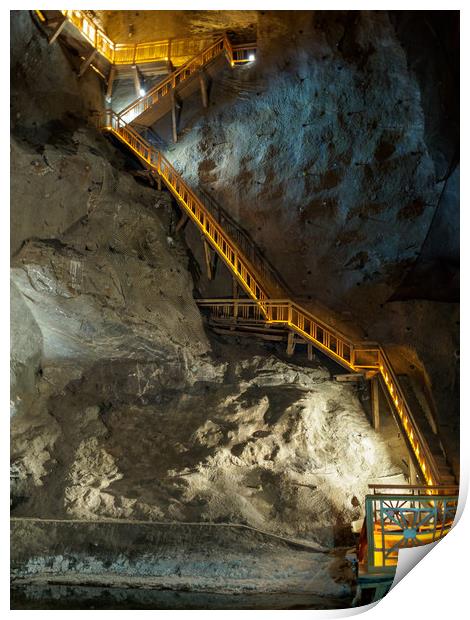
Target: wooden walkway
{"points": [[267, 301]]}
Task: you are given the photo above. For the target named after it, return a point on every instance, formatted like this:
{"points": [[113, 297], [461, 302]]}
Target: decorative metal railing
{"points": [[399, 517]]}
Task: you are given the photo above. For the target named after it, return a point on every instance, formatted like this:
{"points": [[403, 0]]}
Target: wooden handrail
{"points": [[227, 249], [141, 53], [155, 94], [356, 356]]}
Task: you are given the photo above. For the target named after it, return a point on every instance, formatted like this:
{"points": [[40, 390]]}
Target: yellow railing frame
{"points": [[155, 94], [348, 353], [119, 54]]}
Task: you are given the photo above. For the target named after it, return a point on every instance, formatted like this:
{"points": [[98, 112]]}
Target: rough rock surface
{"points": [[214, 559], [120, 405], [338, 156]]}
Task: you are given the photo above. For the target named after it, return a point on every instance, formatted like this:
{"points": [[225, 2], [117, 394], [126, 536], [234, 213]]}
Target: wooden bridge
{"points": [[267, 307]]}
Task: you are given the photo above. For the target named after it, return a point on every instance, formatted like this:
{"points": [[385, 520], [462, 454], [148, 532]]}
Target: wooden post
{"points": [[412, 469], [170, 64], [203, 85], [235, 296], [86, 63], [136, 76], [290, 343], [60, 26], [159, 183], [182, 222], [173, 115], [309, 351], [374, 402], [109, 87], [208, 257]]}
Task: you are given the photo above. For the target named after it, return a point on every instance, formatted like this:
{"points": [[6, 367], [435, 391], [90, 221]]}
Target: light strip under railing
{"points": [[352, 355], [324, 337], [193, 206], [152, 51]]}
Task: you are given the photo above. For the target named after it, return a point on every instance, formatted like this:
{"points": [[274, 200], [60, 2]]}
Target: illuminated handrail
{"points": [[193, 206], [163, 88], [353, 355], [244, 241], [245, 52], [92, 32], [176, 50]]}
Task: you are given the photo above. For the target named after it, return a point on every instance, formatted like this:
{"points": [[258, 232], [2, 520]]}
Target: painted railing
{"points": [[400, 517], [243, 53], [227, 249], [166, 86], [254, 279], [356, 356], [179, 51]]}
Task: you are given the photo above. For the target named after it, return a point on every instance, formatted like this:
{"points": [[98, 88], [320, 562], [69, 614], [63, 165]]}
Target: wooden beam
{"points": [[136, 76], [58, 29], [309, 351], [86, 63], [412, 470], [350, 377], [182, 222], [290, 343], [208, 259], [374, 402], [170, 64], [109, 87], [203, 85], [235, 296], [173, 115]]}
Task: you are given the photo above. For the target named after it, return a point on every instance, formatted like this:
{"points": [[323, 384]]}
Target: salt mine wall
{"points": [[337, 151]]}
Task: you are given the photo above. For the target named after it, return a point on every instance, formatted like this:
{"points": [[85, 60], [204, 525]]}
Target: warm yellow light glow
{"points": [[292, 315]]}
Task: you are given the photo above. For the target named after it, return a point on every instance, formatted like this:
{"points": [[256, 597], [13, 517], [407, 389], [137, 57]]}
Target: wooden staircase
{"points": [[266, 303]]}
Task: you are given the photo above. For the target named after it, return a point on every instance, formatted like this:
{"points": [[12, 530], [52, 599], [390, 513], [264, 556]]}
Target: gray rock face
{"points": [[121, 406], [121, 410], [321, 154], [336, 152]]}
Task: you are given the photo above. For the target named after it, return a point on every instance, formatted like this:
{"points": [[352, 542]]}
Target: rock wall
{"points": [[337, 150]]}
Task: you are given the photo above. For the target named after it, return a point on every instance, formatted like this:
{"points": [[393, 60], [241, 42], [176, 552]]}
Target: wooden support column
{"points": [[290, 343], [235, 296], [182, 222], [109, 87], [173, 115], [412, 469], [203, 85], [58, 29], [309, 351], [86, 63], [170, 64], [208, 258], [159, 183], [136, 76], [374, 402]]}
